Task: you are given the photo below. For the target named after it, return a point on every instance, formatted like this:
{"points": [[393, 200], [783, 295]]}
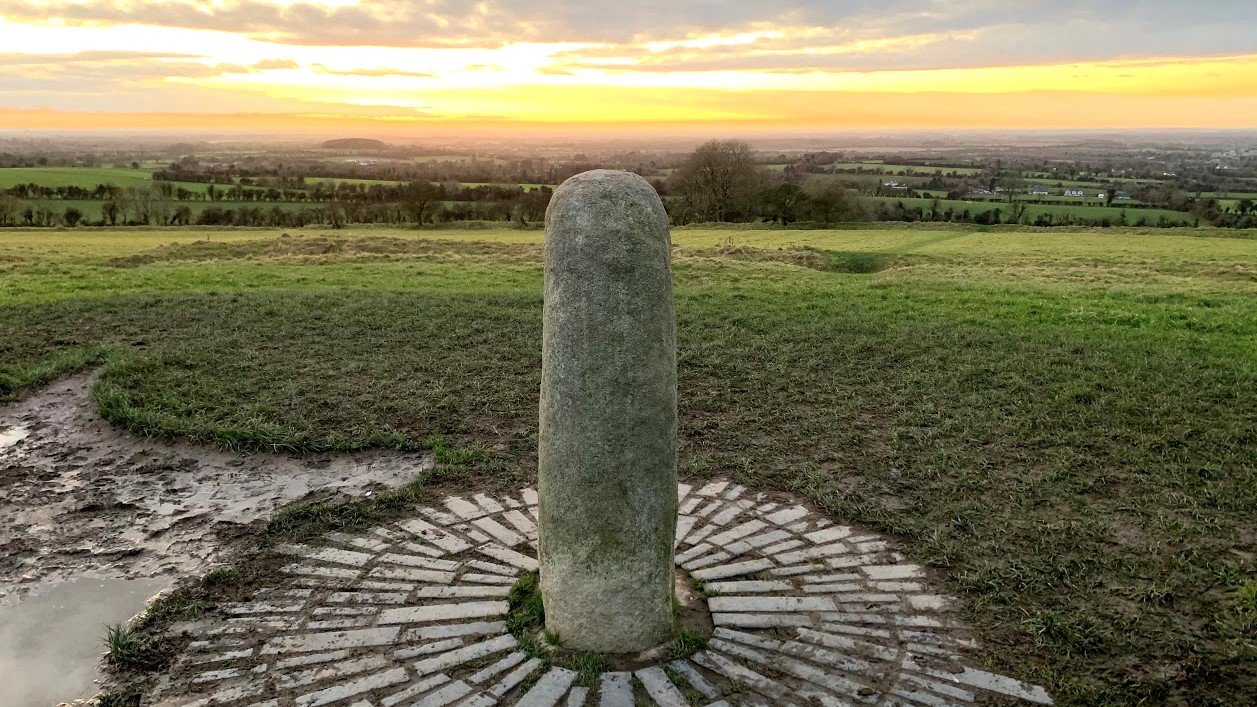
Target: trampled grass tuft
{"points": [[124, 647], [686, 644]]}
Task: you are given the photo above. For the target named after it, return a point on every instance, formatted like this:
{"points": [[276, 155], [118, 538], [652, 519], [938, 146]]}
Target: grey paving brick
{"points": [[713, 488], [506, 663], [733, 570], [463, 508], [331, 640], [426, 684], [412, 574], [549, 689], [762, 620], [307, 569], [432, 534], [441, 646], [456, 657], [488, 503], [514, 678], [660, 688], [737, 532], [353, 688], [984, 680], [694, 678], [786, 516], [448, 694], [456, 630], [615, 689], [489, 590], [749, 586], [327, 554], [722, 604], [367, 598], [508, 556], [732, 670], [430, 563], [500, 532], [444, 612], [339, 669]]}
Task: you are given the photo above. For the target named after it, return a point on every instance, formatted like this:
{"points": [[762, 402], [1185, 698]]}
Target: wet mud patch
{"points": [[93, 521], [81, 496]]}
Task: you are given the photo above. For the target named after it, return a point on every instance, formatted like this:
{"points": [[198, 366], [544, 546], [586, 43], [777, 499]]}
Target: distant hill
{"points": [[354, 143]]}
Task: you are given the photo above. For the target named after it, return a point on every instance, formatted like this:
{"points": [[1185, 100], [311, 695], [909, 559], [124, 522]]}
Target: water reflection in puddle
{"points": [[51, 640]]}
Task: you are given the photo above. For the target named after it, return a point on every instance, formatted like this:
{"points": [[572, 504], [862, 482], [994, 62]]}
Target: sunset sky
{"points": [[410, 67]]}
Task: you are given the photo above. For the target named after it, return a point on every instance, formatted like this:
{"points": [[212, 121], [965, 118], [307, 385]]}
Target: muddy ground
{"points": [[84, 506], [79, 496]]}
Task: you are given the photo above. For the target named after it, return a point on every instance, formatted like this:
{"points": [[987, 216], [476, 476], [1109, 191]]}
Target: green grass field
{"points": [[337, 180], [1060, 425], [893, 168], [1080, 211], [85, 177], [92, 209]]}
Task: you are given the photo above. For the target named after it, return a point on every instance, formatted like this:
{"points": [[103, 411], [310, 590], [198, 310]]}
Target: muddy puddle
{"points": [[94, 521], [51, 641]]}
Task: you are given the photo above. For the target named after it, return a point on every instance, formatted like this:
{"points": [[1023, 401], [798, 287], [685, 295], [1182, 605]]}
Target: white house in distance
{"points": [[1074, 192], [1037, 190]]}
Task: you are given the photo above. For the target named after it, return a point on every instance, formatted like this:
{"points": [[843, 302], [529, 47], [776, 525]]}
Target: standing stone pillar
{"points": [[607, 459]]}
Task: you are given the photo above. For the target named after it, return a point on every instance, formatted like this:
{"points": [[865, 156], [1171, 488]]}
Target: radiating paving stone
{"points": [[549, 689], [444, 612], [807, 612], [616, 689], [660, 688], [453, 658], [696, 680]]}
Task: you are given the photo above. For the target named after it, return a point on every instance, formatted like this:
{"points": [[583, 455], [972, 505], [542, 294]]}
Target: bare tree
{"points": [[719, 182], [418, 198], [10, 207], [142, 202]]}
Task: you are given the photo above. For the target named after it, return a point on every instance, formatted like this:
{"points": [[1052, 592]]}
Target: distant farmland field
{"points": [[1085, 212], [894, 168], [84, 177]]}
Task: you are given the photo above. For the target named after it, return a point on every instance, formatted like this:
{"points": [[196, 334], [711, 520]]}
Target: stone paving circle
{"points": [[806, 612]]}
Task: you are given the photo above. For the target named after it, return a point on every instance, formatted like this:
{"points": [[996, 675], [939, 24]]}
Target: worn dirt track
{"points": [[78, 496]]}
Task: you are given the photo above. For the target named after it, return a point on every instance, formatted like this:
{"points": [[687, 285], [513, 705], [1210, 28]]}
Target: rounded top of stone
{"points": [[607, 178], [607, 181], [602, 192]]}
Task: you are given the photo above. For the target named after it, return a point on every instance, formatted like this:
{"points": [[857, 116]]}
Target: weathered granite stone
{"points": [[608, 494]]}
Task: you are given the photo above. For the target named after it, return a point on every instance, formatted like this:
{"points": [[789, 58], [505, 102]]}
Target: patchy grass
{"points": [[118, 699], [124, 647], [527, 614], [588, 666], [686, 644], [1060, 425]]}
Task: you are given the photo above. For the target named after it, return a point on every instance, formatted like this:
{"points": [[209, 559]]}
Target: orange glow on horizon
{"points": [[251, 84]]}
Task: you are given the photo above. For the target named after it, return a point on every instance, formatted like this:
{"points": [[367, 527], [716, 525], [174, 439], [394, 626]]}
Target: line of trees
{"points": [[722, 181]]}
